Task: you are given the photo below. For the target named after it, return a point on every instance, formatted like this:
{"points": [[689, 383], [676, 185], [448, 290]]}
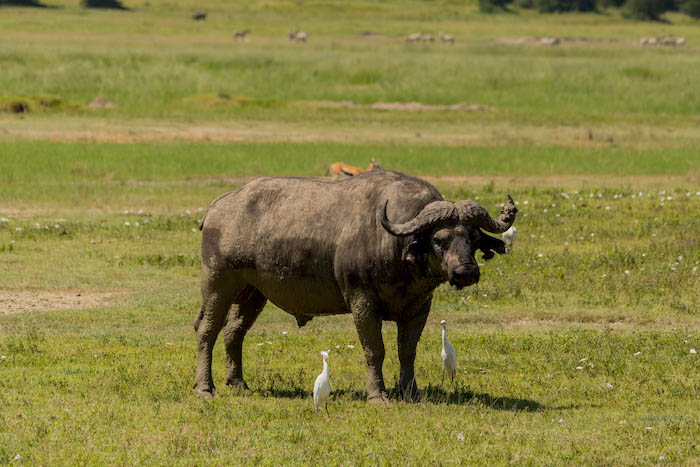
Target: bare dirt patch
{"points": [[45, 300], [553, 40], [402, 106]]}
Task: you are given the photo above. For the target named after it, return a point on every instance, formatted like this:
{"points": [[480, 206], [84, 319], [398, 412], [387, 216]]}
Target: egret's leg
{"points": [[247, 307]]}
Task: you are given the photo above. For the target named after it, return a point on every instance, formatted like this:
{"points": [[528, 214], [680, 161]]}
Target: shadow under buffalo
{"points": [[460, 395]]}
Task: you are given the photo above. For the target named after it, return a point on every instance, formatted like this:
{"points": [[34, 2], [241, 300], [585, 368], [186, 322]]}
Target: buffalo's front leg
{"points": [[369, 329], [409, 332]]}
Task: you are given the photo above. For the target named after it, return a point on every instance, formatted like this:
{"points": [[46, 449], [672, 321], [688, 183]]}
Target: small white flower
{"points": [[579, 368], [592, 234], [565, 195], [260, 343], [545, 209], [17, 457], [127, 223], [136, 224], [604, 276], [188, 212], [627, 271], [460, 436], [351, 346], [566, 243], [126, 212], [644, 255], [19, 229], [637, 353], [680, 258], [622, 422], [662, 458], [337, 346], [608, 385], [464, 300], [168, 343], [268, 342], [583, 359], [3, 357], [4, 219], [526, 201], [693, 351], [284, 333], [649, 428], [561, 420], [695, 269], [540, 255], [607, 208], [194, 230]]}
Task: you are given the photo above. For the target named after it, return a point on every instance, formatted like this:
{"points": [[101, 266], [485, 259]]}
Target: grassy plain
{"points": [[597, 141]]}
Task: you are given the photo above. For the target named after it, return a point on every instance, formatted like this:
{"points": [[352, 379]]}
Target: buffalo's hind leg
{"points": [[218, 292], [243, 313]]}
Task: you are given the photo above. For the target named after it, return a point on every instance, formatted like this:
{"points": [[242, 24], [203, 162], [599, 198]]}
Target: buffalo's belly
{"points": [[300, 296]]}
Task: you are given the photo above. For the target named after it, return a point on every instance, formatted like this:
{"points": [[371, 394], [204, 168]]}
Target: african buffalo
{"points": [[375, 245]]}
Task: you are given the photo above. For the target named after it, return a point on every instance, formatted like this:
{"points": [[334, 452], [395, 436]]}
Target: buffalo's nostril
{"points": [[460, 271]]}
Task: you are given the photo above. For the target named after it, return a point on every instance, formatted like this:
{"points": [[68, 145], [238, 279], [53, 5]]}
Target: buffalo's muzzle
{"points": [[464, 276]]}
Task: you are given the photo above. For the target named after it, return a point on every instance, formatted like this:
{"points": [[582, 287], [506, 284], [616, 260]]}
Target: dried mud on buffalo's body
{"points": [[28, 300]]}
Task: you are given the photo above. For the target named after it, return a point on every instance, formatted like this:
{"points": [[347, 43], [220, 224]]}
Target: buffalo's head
{"points": [[446, 235]]}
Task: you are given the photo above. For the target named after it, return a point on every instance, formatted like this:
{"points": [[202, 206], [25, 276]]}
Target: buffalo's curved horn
{"points": [[432, 214], [472, 213]]}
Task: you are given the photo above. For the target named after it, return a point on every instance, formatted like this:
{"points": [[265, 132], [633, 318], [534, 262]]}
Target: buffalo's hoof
{"points": [[238, 385], [414, 395], [206, 393], [381, 398]]}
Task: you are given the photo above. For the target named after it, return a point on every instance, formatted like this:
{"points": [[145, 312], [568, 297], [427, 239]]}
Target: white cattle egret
{"points": [[448, 354], [322, 387], [509, 236]]}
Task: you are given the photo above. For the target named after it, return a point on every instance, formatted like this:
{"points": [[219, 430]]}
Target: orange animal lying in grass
{"points": [[339, 170]]}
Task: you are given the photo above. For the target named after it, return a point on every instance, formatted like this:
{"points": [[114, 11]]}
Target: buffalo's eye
{"points": [[438, 242]]}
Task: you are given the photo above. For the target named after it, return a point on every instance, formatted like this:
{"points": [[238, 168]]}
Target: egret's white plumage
{"points": [[448, 354], [322, 387], [509, 236]]}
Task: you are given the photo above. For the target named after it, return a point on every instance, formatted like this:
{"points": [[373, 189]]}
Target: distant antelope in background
{"points": [[338, 170]]}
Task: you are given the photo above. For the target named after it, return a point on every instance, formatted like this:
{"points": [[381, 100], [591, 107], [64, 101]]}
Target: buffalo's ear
{"points": [[488, 245]]}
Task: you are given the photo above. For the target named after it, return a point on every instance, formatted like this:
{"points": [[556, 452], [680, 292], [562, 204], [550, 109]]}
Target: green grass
{"points": [[602, 277], [118, 380]]}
